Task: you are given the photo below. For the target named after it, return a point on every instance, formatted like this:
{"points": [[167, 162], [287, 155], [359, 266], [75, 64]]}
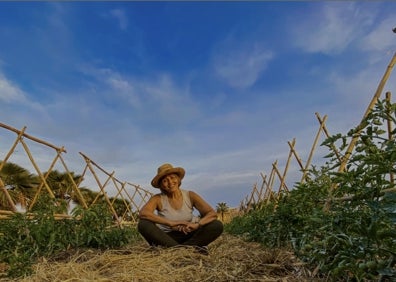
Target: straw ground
{"points": [[230, 259]]}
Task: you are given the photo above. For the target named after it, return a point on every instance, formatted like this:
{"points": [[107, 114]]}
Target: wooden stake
{"points": [[390, 129]]}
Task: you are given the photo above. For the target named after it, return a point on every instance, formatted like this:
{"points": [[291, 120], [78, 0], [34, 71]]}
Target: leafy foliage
{"points": [[19, 182], [24, 237], [342, 221]]}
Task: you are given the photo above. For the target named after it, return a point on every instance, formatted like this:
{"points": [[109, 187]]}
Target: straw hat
{"points": [[164, 170]]}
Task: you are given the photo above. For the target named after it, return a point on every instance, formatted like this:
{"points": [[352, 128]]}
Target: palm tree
{"points": [[62, 184], [87, 194], [19, 183], [222, 208]]}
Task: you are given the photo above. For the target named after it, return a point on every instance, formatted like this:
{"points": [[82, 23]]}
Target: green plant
{"points": [[342, 221], [25, 237]]}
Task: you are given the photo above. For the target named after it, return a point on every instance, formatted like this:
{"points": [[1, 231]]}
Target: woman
{"points": [[167, 218]]}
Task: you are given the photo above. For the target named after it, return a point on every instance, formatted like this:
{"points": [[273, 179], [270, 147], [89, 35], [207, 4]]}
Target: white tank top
{"points": [[185, 213]]}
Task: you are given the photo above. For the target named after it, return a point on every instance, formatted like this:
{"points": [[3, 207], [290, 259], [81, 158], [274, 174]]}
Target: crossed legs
{"points": [[200, 237]]}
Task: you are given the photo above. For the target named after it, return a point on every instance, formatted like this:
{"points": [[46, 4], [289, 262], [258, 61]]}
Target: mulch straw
{"points": [[230, 259]]}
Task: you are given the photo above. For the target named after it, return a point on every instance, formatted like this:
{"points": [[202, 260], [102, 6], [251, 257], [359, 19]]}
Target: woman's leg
{"points": [[206, 234], [154, 235]]}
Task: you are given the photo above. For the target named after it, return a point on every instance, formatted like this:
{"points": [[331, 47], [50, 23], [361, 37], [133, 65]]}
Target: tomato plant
{"points": [[23, 238], [342, 221]]}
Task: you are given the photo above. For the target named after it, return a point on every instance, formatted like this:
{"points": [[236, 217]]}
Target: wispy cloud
{"points": [[120, 16], [381, 37], [119, 86], [9, 92], [332, 27], [240, 64], [155, 98]]}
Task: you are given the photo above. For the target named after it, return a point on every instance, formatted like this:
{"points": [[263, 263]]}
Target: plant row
{"points": [[25, 238], [341, 222]]}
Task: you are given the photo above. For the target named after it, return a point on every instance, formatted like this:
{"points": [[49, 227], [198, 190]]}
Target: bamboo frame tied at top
{"points": [[343, 159], [20, 139], [132, 196], [132, 201], [270, 194]]}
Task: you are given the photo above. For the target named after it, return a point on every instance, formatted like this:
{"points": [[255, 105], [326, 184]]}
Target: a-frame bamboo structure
{"points": [[20, 139], [256, 196], [131, 195]]}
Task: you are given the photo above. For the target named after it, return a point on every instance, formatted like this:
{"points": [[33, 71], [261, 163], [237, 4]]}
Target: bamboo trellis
{"points": [[21, 135], [257, 197], [131, 195]]}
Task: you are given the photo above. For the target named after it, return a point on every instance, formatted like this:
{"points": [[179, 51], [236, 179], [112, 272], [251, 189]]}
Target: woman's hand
{"points": [[191, 227], [184, 226]]}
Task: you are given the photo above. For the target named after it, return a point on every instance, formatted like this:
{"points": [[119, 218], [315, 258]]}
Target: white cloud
{"points": [[358, 88], [240, 65], [10, 92], [122, 87], [157, 96], [332, 28], [381, 38], [120, 16]]}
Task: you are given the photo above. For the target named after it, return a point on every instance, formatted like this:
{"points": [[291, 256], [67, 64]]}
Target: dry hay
{"points": [[230, 259]]}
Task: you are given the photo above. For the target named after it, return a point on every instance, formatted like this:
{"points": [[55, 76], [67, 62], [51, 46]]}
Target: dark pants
{"points": [[200, 237]]}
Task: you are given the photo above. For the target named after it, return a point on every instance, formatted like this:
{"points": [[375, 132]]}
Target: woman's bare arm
{"points": [[208, 214]]}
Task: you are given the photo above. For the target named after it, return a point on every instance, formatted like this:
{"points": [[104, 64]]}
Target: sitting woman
{"points": [[167, 218]]}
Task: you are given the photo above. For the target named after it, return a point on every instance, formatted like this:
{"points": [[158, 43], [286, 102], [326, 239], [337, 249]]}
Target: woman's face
{"points": [[170, 182]]}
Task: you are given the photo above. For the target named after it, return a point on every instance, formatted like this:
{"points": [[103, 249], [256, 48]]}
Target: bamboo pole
{"points": [[275, 168], [308, 163], [368, 110], [107, 173], [332, 146], [262, 187], [103, 192], [37, 168], [298, 159], [74, 185], [144, 194], [267, 188], [286, 168], [101, 187], [32, 216], [131, 198], [42, 183], [351, 146], [8, 197], [12, 149], [2, 184], [270, 185], [251, 200], [390, 129], [131, 201], [272, 176], [138, 188], [30, 137], [127, 206]]}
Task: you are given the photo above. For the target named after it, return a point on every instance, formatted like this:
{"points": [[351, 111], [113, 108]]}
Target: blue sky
{"points": [[217, 88]]}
